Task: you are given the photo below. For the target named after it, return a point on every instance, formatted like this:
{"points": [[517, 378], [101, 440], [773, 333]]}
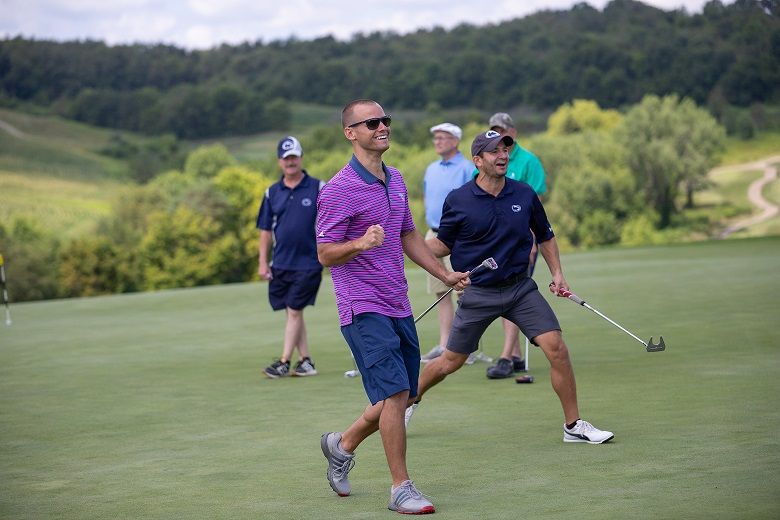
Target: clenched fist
{"points": [[374, 237]]}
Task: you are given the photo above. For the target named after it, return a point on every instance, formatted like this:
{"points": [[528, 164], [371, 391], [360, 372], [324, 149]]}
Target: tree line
{"points": [[727, 55], [613, 178]]}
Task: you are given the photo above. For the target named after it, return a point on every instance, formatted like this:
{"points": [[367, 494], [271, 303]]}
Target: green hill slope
{"points": [[51, 171], [153, 406]]}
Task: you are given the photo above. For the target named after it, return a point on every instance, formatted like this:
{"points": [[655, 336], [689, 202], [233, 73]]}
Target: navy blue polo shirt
{"points": [[476, 225], [290, 215]]}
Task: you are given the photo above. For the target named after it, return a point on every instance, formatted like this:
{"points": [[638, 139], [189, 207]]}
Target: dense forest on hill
{"points": [[727, 55]]}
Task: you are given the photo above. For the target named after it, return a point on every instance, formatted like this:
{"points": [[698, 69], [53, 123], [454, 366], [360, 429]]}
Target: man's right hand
{"points": [[264, 272], [458, 280], [374, 237]]}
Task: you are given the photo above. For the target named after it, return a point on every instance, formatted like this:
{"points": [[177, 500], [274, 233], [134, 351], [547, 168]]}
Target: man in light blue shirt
{"points": [[452, 171]]}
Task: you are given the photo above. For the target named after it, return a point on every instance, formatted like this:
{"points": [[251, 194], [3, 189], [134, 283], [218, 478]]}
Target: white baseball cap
{"points": [[451, 129], [288, 146]]}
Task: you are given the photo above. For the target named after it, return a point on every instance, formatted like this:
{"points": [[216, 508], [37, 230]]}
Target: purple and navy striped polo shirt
{"points": [[348, 204]]}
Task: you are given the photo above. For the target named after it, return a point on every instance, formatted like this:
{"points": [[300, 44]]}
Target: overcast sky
{"points": [[201, 24]]}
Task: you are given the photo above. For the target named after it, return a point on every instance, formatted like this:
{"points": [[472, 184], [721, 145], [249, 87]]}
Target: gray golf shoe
{"points": [[339, 463], [408, 500]]}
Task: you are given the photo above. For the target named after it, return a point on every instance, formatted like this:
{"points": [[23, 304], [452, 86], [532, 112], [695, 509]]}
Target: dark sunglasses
{"points": [[373, 123]]}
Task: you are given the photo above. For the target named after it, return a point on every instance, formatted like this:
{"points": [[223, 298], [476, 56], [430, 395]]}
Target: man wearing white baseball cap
{"points": [[452, 171]]}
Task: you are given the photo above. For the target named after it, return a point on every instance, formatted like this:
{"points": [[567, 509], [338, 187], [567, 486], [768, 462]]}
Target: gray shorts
{"points": [[520, 303]]}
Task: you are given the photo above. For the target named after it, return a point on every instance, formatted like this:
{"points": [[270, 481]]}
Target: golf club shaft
{"points": [[426, 311], [5, 292], [354, 372], [614, 323], [576, 299], [434, 304], [525, 356]]}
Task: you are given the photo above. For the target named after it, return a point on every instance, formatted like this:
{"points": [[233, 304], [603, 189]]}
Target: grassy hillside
{"points": [[152, 405], [51, 171]]}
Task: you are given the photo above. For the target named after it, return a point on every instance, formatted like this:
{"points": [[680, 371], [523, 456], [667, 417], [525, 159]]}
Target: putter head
{"points": [[656, 347], [351, 373], [490, 263]]}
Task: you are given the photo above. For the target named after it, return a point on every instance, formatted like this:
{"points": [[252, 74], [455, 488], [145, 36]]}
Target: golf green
{"points": [[154, 405]]}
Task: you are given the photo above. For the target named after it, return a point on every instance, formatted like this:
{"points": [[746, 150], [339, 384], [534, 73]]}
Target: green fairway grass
{"points": [[153, 405]]}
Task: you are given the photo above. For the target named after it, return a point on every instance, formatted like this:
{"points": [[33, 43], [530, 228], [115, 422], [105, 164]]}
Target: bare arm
{"points": [[417, 249], [338, 253], [264, 250], [437, 247], [549, 250]]}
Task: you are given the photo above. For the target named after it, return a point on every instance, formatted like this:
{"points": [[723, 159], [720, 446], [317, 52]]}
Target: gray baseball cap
{"points": [[501, 120], [488, 141]]}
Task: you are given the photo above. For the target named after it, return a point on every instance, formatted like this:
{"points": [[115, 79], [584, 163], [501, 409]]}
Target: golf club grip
{"points": [[570, 295]]}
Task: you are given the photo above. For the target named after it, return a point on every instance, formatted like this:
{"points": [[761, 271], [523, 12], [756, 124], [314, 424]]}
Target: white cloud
{"points": [[137, 26], [199, 36], [207, 23], [87, 6]]}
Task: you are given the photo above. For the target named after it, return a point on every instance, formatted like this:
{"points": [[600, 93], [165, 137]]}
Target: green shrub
{"points": [[599, 228], [30, 256], [639, 230]]}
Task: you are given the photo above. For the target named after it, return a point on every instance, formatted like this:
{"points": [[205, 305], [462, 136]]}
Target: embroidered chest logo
{"points": [[516, 208], [306, 201], [401, 196]]}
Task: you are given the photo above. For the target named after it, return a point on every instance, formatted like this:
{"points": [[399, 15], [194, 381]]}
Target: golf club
{"points": [[487, 262], [5, 292], [526, 355], [649, 345], [355, 372]]}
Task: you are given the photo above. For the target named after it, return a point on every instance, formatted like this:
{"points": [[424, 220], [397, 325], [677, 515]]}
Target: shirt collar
{"points": [[301, 184], [508, 189], [452, 160], [367, 176]]}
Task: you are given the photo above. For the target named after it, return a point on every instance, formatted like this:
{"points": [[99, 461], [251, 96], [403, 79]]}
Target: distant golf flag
{"points": [[5, 292]]}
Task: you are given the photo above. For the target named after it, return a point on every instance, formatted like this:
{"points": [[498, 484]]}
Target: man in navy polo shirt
{"points": [[525, 167], [286, 223], [493, 216]]}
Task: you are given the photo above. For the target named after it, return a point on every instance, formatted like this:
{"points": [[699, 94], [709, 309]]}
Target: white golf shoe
{"points": [[432, 354], [408, 413], [583, 431]]}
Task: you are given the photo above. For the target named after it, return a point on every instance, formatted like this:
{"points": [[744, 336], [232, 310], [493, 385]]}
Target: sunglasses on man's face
{"points": [[373, 123]]}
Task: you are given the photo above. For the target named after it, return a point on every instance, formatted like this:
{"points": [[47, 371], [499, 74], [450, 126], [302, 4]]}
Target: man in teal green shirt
{"points": [[524, 167]]}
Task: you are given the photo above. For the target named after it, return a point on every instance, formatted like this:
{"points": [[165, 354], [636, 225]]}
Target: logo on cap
{"points": [[289, 146]]}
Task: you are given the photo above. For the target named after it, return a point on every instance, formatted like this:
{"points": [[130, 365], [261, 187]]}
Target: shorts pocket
{"points": [[373, 337], [375, 356]]}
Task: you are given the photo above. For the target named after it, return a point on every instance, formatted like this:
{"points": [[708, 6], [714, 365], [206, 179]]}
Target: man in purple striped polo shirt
{"points": [[364, 227]]}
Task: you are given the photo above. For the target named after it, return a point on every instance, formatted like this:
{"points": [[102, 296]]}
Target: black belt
{"points": [[435, 229], [508, 282]]}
